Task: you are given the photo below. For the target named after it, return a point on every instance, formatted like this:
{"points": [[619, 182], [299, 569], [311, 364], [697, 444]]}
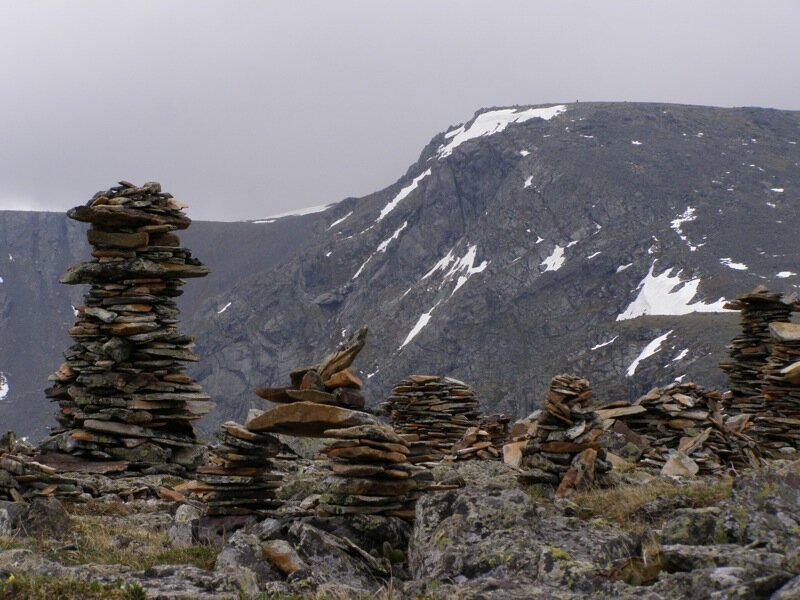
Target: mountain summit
{"points": [[596, 238]]}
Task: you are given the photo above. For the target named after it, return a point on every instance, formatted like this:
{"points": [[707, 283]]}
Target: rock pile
{"points": [[485, 441], [240, 478], [329, 382], [777, 423], [123, 391], [22, 478], [565, 452], [434, 411], [680, 429], [370, 473], [749, 350]]}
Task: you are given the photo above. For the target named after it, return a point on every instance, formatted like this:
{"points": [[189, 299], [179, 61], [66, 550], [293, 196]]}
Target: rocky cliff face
{"points": [[594, 238]]}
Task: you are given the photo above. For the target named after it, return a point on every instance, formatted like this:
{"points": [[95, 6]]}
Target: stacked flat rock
{"points": [[22, 478], [750, 350], [330, 382], [777, 425], [240, 478], [435, 411], [483, 442], [123, 391], [564, 452], [680, 429], [370, 473]]}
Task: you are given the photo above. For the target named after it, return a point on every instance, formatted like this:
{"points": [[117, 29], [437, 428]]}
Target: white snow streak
{"points": [[666, 294], [688, 215], [784, 274], [604, 344], [621, 268], [736, 266], [402, 194], [495, 121], [4, 386], [224, 308], [423, 320], [776, 190], [681, 355], [1, 280], [555, 261], [295, 213], [385, 243], [524, 152], [529, 182], [636, 142], [647, 352], [337, 221], [591, 256], [464, 267]]}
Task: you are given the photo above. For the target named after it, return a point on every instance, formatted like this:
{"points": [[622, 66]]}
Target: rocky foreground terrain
{"points": [[648, 538]]}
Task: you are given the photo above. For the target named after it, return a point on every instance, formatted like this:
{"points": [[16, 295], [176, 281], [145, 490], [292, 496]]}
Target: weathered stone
{"points": [[117, 240], [308, 419]]}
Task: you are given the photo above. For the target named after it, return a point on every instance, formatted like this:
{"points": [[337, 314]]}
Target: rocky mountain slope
{"points": [[594, 238]]}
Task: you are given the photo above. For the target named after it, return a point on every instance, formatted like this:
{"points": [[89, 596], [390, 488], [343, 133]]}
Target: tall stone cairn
{"points": [[123, 392], [750, 350]]}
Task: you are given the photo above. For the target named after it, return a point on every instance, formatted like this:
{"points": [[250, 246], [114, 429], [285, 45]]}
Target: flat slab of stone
{"points": [[308, 419], [66, 463]]}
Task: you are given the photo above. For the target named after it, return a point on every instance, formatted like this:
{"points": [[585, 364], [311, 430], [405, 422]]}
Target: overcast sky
{"points": [[247, 109]]}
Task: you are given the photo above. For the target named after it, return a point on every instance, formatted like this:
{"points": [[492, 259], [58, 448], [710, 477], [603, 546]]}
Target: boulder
{"points": [[308, 419]]}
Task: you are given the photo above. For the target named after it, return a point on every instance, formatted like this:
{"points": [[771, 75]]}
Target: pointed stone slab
{"points": [[308, 419], [92, 272], [115, 216]]}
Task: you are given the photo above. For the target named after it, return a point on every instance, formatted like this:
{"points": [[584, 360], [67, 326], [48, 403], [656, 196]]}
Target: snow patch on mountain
{"points": [[681, 355], [381, 248], [295, 213], [337, 221], [528, 182], [403, 193], [4, 386], [647, 352], [555, 261], [622, 268], [776, 190], [224, 308], [736, 266], [495, 121], [687, 216], [420, 324], [666, 294], [784, 274], [604, 344], [463, 267]]}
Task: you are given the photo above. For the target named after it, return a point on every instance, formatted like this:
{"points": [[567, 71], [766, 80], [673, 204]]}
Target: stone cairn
{"points": [[370, 472], [240, 478], [750, 350], [433, 413], [123, 391], [564, 452], [483, 442], [678, 430], [22, 478], [777, 423]]}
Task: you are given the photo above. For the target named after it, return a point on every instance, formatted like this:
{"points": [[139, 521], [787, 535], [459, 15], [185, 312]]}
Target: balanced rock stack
{"points": [[433, 412], [370, 473], [22, 478], [750, 350], [483, 442], [777, 425], [240, 477], [565, 452], [680, 429], [123, 391], [329, 383]]}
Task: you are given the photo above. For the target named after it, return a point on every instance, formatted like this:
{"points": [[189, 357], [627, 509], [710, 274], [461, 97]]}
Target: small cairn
{"points": [[123, 391], [483, 442], [239, 479], [777, 424], [679, 430], [565, 452], [750, 350], [330, 382], [433, 412], [370, 473], [22, 478]]}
